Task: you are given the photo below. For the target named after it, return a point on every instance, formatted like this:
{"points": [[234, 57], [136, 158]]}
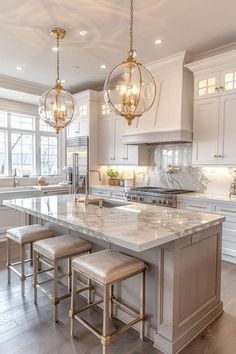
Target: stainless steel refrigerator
{"points": [[77, 156]]}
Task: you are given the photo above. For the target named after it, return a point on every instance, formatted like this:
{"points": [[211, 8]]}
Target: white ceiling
{"points": [[195, 25]]}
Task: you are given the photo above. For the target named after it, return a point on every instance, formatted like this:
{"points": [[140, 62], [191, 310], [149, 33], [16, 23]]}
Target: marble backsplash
{"points": [[173, 168]]}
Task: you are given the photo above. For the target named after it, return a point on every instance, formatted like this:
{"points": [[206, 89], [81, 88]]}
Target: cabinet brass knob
{"points": [[215, 156]]}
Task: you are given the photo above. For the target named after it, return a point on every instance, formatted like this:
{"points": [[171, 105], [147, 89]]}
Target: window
{"points": [[3, 153], [22, 153], [49, 163], [22, 139]]}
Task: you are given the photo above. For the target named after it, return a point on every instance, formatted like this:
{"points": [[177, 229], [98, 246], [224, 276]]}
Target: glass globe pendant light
{"points": [[57, 106], [130, 89]]}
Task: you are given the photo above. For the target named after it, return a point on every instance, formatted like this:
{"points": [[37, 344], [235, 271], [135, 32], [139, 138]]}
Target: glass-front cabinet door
{"points": [[207, 85], [228, 80]]}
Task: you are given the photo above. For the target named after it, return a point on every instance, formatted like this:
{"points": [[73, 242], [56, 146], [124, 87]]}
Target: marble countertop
{"points": [[208, 197], [134, 226]]}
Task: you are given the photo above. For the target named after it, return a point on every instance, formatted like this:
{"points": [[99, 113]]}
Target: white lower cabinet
{"points": [[229, 226]]}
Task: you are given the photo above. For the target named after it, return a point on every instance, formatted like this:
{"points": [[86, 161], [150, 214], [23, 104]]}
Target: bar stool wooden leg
{"points": [[90, 298], [110, 301], [35, 278], [8, 260], [55, 286], [70, 274], [31, 253], [22, 266], [105, 332], [90, 292], [142, 304], [73, 302]]}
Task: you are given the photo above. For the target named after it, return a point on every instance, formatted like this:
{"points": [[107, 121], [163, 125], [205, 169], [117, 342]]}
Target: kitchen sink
{"points": [[107, 203]]}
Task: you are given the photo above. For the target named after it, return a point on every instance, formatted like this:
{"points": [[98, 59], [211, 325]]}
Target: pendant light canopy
{"points": [[57, 106], [130, 89]]}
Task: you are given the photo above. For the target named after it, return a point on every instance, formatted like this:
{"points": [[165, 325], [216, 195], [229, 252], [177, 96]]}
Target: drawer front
{"points": [[229, 234], [229, 247], [197, 206], [228, 211]]}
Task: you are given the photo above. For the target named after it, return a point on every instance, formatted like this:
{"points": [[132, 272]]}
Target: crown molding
{"points": [[18, 107], [221, 60], [12, 83], [172, 62], [87, 94]]}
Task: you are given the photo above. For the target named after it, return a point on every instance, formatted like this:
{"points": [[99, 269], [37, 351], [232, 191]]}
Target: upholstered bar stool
{"points": [[108, 268], [50, 252], [24, 235]]}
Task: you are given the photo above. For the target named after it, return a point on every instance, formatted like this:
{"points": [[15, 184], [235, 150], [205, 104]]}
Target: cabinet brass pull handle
{"points": [[197, 206], [229, 211]]}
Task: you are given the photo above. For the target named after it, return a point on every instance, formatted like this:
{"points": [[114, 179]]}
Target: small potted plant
{"points": [[113, 180]]}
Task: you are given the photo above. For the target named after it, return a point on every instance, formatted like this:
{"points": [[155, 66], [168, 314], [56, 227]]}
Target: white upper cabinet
{"points": [[106, 141], [205, 131], [112, 151], [214, 140], [227, 129]]}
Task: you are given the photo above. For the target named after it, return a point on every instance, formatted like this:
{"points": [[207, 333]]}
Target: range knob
{"points": [[163, 202], [168, 202], [154, 201], [159, 201], [140, 199], [134, 197]]}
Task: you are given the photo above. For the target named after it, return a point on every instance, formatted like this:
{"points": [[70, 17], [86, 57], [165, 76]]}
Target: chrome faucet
{"points": [[86, 199], [14, 178]]}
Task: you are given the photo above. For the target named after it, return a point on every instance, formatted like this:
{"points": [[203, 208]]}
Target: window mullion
{"points": [[9, 156]]}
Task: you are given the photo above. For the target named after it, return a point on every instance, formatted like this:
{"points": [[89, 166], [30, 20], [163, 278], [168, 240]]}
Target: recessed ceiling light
{"points": [[158, 41], [55, 49], [83, 33], [63, 81], [20, 97], [103, 66], [19, 68]]}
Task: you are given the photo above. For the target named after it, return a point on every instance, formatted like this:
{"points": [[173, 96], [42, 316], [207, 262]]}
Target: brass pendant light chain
{"points": [[131, 25], [58, 59]]}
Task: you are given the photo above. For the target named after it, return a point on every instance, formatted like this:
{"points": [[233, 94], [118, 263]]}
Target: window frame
{"points": [[37, 134]]}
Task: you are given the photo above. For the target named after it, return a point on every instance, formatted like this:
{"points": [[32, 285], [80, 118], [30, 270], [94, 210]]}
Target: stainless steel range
{"points": [[154, 195]]}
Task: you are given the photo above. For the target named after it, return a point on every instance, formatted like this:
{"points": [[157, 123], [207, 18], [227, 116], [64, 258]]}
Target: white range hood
{"points": [[170, 118]]}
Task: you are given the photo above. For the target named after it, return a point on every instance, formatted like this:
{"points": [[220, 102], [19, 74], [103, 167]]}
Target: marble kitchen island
{"points": [[182, 249]]}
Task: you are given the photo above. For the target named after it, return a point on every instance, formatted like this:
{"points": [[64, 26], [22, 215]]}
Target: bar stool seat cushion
{"points": [[29, 233], [61, 246], [107, 266]]}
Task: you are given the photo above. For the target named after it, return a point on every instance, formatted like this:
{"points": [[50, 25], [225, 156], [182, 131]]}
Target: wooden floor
{"points": [[28, 329]]}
